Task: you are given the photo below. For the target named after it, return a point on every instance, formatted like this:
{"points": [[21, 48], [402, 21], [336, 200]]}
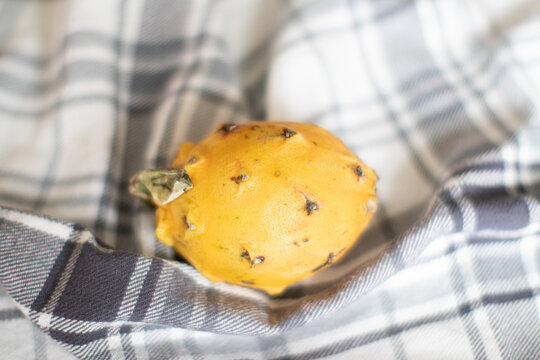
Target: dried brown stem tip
{"points": [[226, 128], [329, 260], [245, 255], [311, 206], [359, 171], [287, 133], [257, 260], [238, 179]]}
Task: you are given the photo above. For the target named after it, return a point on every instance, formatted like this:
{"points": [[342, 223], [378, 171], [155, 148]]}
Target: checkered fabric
{"points": [[441, 97]]}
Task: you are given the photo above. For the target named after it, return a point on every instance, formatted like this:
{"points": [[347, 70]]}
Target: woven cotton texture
{"points": [[439, 97]]}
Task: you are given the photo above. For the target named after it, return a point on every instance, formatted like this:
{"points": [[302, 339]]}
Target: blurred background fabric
{"points": [[440, 97]]}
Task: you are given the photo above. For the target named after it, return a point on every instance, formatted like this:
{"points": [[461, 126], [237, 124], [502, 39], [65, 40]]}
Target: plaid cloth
{"points": [[440, 97]]}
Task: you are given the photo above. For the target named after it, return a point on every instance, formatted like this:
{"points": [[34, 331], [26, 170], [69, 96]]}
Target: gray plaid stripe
{"points": [[10, 315], [472, 330], [398, 349], [118, 137], [53, 163]]}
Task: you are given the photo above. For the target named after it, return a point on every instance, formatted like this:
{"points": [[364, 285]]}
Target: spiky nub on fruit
{"points": [[262, 204]]}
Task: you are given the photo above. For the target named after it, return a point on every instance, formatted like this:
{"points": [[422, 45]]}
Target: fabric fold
{"points": [[439, 97]]}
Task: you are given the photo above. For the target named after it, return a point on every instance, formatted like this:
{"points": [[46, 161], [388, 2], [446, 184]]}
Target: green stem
{"points": [[160, 187]]}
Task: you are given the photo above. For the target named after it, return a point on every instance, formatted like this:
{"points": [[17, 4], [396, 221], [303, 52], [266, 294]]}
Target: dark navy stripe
{"points": [[520, 187], [54, 275], [486, 192], [78, 338], [78, 228], [452, 206], [96, 285], [126, 329], [147, 291]]}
